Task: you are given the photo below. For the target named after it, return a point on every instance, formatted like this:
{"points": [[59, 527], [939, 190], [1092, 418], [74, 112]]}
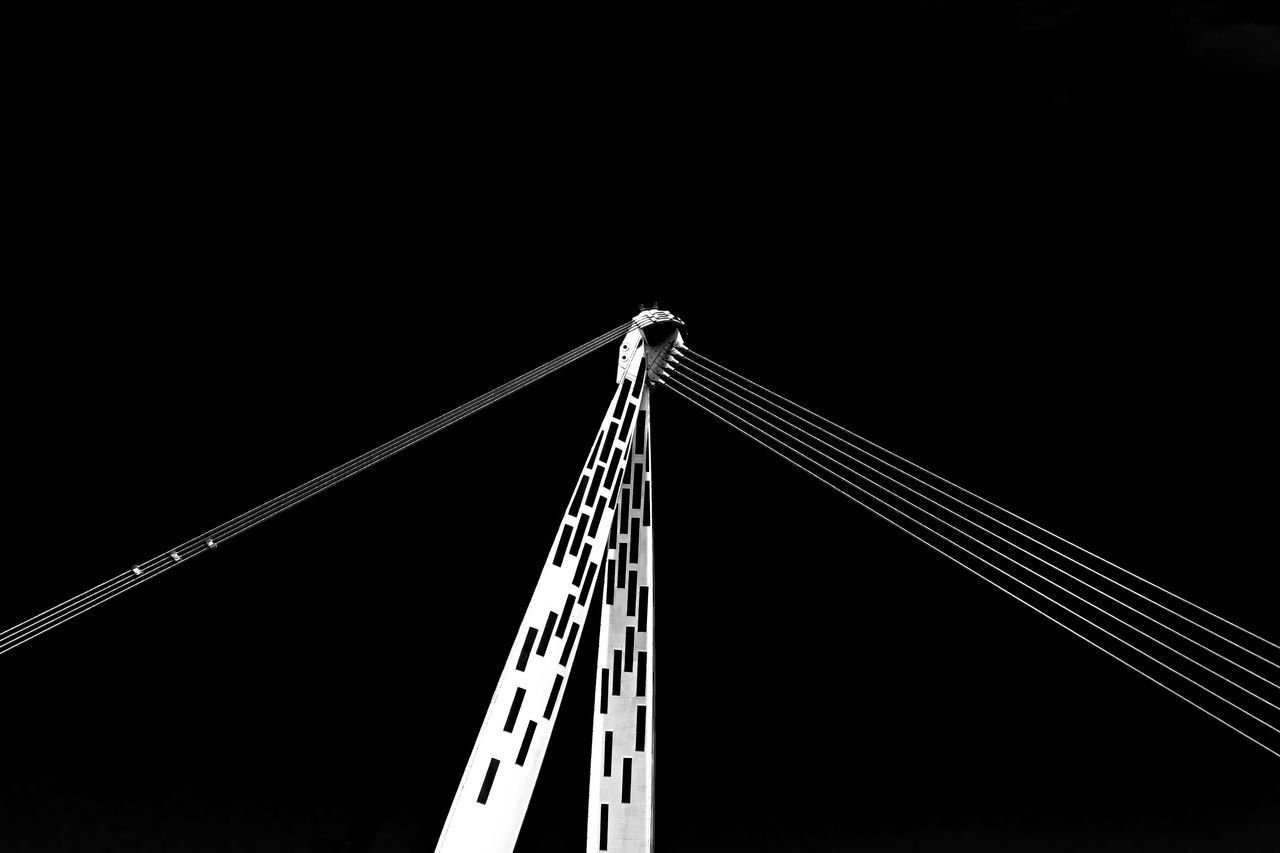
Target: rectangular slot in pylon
{"points": [[487, 785], [577, 537], [524, 744], [608, 442], [546, 634], [622, 398], [516, 702], [586, 584], [564, 616], [577, 496], [597, 517], [582, 565], [596, 477], [568, 644], [528, 647], [564, 544], [555, 694]]}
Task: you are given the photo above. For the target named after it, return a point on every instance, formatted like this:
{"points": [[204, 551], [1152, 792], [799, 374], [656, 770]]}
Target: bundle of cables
{"points": [[1223, 669]]}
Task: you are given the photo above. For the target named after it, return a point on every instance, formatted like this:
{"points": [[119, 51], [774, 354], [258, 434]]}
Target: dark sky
{"points": [[1010, 241]]}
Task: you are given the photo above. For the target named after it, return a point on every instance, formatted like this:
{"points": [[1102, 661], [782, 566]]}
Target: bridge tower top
{"points": [[655, 335]]}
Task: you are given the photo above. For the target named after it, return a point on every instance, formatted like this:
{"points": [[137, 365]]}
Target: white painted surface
{"points": [[493, 826], [620, 813]]}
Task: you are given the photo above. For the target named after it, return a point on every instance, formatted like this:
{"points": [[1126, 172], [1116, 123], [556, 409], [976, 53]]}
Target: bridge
{"points": [[602, 553]]}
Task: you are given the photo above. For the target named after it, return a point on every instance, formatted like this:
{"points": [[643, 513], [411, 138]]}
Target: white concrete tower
{"points": [[620, 815], [493, 796]]}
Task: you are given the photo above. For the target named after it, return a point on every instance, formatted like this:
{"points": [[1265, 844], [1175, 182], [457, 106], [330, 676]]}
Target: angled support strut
{"points": [[604, 535]]}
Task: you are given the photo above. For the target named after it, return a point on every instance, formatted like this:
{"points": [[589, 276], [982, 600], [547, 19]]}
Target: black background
{"points": [[1015, 251]]}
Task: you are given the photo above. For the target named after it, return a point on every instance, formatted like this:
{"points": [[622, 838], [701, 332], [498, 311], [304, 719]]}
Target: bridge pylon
{"points": [[604, 537]]}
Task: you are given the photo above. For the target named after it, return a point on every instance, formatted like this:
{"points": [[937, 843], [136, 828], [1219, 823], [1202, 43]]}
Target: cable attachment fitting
{"points": [[664, 358], [650, 339], [137, 570], [175, 556], [210, 542]]}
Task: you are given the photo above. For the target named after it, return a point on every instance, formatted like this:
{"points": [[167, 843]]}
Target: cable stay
{"points": [[59, 614], [719, 371], [776, 423], [1075, 595], [993, 534], [1222, 669]]}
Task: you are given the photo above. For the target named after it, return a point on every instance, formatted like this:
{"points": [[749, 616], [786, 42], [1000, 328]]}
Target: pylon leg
{"points": [[620, 814], [493, 796]]}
